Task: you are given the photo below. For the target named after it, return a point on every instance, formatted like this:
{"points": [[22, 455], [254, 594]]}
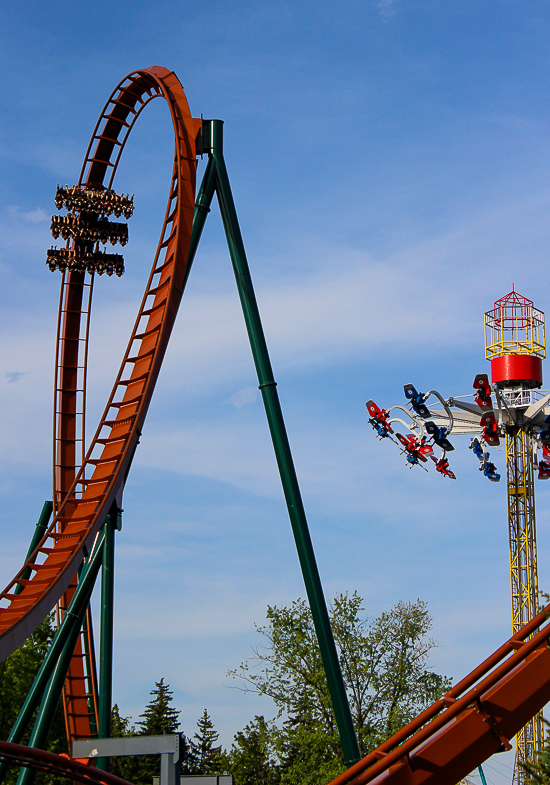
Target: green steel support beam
{"points": [[70, 626], [112, 523], [90, 661], [39, 530], [52, 693], [281, 446], [202, 208]]}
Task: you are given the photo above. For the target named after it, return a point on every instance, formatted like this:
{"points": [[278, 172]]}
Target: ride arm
{"points": [[466, 407], [416, 421], [445, 405]]}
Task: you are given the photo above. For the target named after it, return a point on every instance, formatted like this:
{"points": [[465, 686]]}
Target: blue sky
{"points": [[389, 161]]}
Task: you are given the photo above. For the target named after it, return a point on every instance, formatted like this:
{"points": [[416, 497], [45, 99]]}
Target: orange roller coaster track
{"points": [[87, 500], [475, 719], [85, 488]]}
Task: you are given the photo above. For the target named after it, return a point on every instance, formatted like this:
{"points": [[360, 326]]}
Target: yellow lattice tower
{"points": [[515, 344]]}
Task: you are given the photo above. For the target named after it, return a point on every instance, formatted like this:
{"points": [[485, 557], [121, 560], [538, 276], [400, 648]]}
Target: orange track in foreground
{"points": [[475, 719], [56, 764]]}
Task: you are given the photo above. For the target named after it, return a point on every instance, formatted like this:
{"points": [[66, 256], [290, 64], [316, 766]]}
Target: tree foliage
{"points": [[205, 757], [539, 772], [17, 673], [159, 717], [253, 759], [385, 668]]}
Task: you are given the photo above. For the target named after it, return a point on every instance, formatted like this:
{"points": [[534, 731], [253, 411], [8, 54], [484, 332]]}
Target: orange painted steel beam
{"points": [[100, 479], [475, 719]]}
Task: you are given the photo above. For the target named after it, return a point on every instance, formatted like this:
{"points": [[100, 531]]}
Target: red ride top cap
{"points": [[508, 368]]}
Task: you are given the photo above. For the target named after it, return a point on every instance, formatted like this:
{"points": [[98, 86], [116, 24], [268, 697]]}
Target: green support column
{"points": [[112, 523], [39, 530], [202, 208], [281, 446], [63, 641], [52, 693]]}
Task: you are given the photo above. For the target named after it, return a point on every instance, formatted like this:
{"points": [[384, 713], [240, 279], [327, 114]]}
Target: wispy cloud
{"points": [[31, 216], [244, 396], [35, 216], [387, 9]]}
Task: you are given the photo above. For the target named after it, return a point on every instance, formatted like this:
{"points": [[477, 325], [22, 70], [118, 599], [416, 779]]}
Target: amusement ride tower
{"points": [[515, 345]]}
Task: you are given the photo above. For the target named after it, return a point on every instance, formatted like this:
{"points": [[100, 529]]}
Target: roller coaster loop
{"points": [[65, 555]]}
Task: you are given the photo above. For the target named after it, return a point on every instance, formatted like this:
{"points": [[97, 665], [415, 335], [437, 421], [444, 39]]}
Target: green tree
{"points": [[159, 717], [204, 756], [253, 757], [128, 768], [539, 772], [17, 673], [385, 668]]}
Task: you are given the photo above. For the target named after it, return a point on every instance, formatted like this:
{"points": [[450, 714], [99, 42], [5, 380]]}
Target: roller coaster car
{"points": [[379, 419], [490, 471], [490, 429], [416, 451], [439, 436], [442, 466], [416, 399], [546, 451], [483, 397], [544, 470]]}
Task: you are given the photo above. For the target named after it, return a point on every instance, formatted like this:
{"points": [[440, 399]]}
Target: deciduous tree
{"points": [[385, 668]]}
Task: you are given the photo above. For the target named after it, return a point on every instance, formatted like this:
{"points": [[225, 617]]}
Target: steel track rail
{"points": [[30, 757], [475, 719], [99, 480]]}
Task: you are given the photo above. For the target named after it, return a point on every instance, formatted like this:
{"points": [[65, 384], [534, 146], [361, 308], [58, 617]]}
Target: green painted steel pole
{"points": [[281, 446], [52, 693], [202, 208], [72, 619], [112, 523], [39, 530]]}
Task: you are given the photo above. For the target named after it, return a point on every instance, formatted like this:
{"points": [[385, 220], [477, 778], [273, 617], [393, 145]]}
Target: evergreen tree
{"points": [[252, 759], [204, 756], [539, 772], [128, 768], [158, 718]]}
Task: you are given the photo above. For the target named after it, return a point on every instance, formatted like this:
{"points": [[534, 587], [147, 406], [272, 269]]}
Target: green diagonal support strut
{"points": [[49, 673], [213, 135], [40, 528], [112, 523]]}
